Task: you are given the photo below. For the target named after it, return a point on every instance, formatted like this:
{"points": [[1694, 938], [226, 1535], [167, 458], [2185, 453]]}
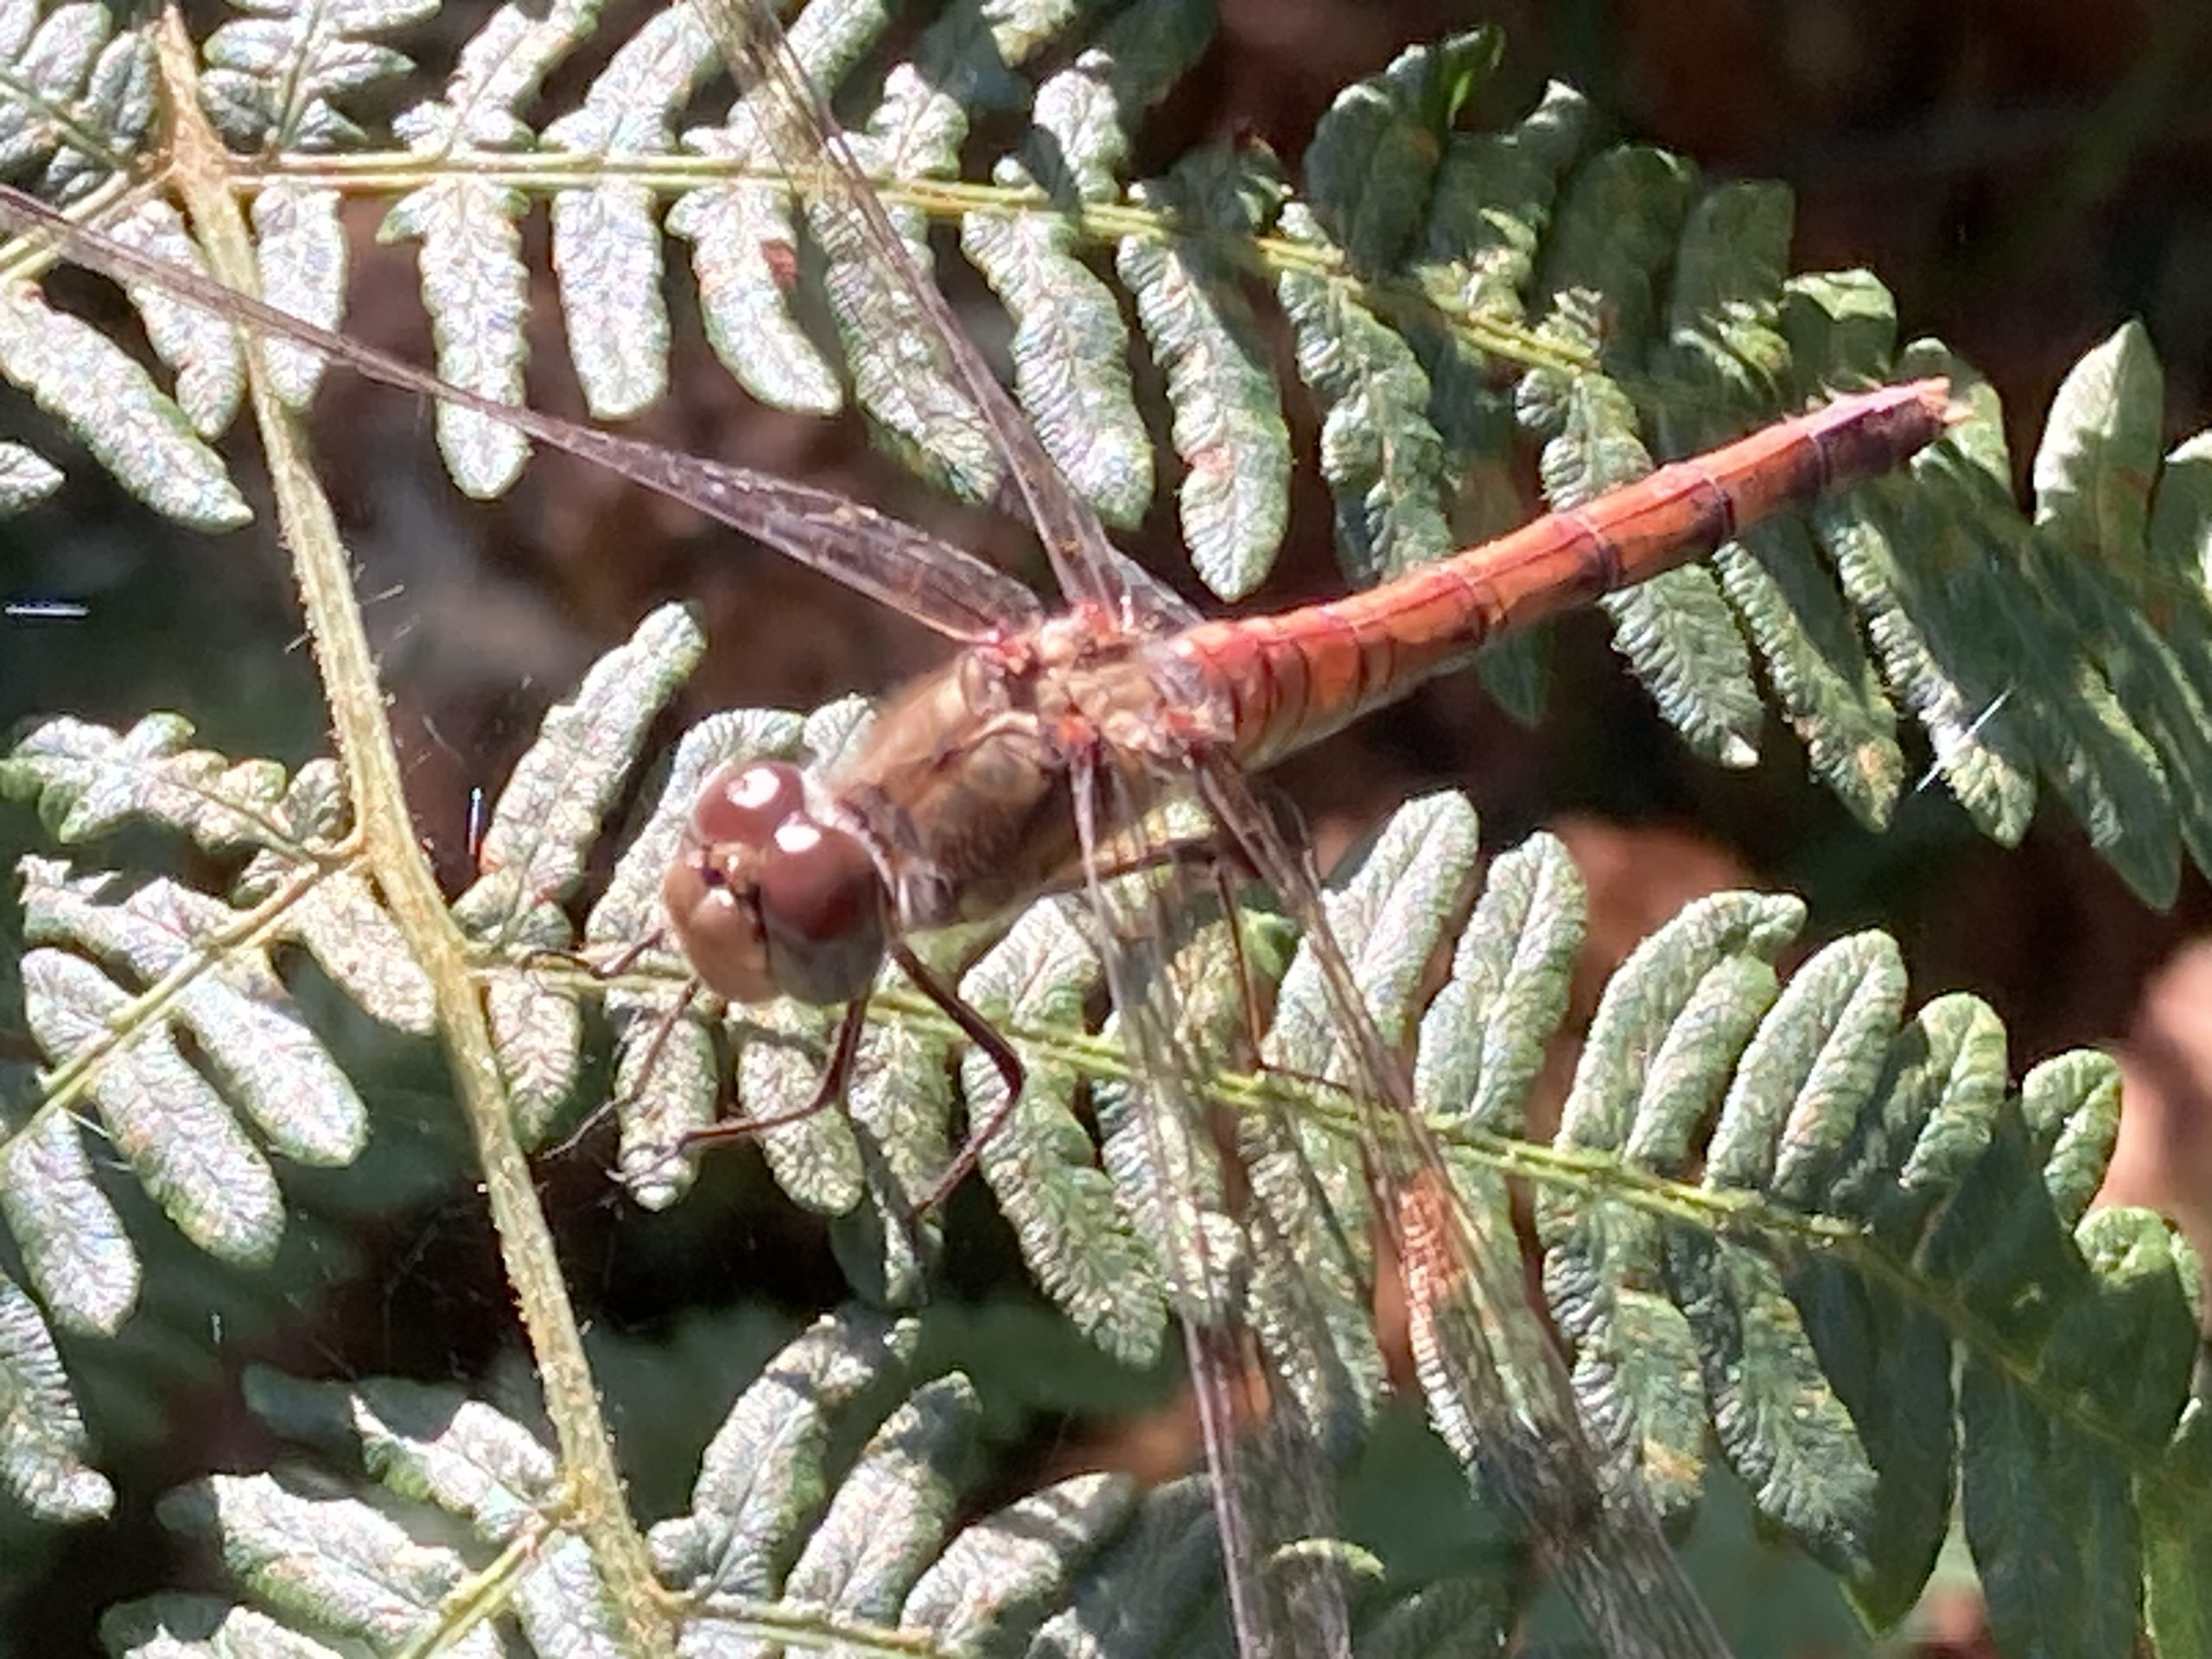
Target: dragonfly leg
{"points": [[664, 1029], [980, 1032], [626, 958], [827, 1093]]}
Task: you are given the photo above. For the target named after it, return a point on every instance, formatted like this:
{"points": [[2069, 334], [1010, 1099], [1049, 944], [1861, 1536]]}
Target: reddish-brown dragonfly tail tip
{"points": [[1934, 395]]}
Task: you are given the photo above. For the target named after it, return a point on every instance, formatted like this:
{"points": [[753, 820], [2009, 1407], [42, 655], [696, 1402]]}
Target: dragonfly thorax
{"points": [[766, 900]]}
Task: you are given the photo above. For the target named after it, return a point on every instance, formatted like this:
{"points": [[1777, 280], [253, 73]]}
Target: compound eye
{"points": [[820, 902], [715, 917], [743, 802]]}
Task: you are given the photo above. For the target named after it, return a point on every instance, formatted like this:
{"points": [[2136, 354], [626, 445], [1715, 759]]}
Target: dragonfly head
{"points": [[767, 900]]}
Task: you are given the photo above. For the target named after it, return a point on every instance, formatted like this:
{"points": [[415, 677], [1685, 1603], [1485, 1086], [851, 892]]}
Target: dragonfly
{"points": [[1036, 761]]}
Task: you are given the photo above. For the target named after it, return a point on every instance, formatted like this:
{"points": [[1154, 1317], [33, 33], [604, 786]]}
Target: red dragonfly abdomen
{"points": [[1295, 677]]}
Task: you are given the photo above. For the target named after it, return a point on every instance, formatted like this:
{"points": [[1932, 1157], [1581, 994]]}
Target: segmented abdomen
{"points": [[1295, 677]]}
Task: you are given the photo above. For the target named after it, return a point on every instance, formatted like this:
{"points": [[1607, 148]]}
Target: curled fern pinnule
{"points": [[900, 1103], [606, 248], [1493, 202], [2070, 1104], [1646, 998], [1679, 635], [1675, 630], [659, 1108], [537, 1033], [302, 259], [76, 95], [1380, 451], [26, 478], [1667, 1034], [550, 815], [552, 808], [342, 925], [235, 1011], [1842, 330], [274, 79], [422, 1441], [334, 1563], [1725, 357], [1080, 135], [745, 231], [2150, 1291], [1168, 1176], [997, 1578], [1371, 165], [1482, 1037], [1042, 1166], [1805, 1077], [1614, 234], [2094, 472], [1778, 1419], [75, 1252], [1705, 1041], [1812, 1068], [1227, 420], [1391, 911], [113, 407], [42, 1440], [199, 346], [1070, 351], [764, 1476], [782, 1049], [745, 249], [1723, 298], [180, 1138], [1489, 211], [476, 291], [1390, 918], [2098, 457], [1890, 557], [892, 1508], [1821, 679], [1070, 345], [1156, 1586], [89, 780], [1391, 915]]}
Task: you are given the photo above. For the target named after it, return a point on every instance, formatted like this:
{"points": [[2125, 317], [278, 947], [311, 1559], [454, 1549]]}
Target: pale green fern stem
{"points": [[365, 746]]}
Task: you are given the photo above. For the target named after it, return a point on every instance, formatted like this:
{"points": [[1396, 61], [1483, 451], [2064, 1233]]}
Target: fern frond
{"points": [[1647, 316], [1779, 1218], [1777, 1215], [789, 1529]]}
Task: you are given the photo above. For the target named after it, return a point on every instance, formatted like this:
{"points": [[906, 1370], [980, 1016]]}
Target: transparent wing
{"points": [[890, 301], [933, 581], [1267, 1435], [1495, 1385]]}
